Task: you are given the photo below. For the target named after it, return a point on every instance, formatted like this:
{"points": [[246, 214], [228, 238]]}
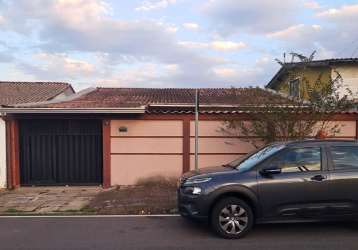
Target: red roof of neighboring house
{"points": [[131, 97], [29, 92]]}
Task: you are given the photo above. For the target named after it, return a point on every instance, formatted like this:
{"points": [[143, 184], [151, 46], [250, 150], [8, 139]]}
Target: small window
{"points": [[299, 160], [294, 88], [345, 157]]}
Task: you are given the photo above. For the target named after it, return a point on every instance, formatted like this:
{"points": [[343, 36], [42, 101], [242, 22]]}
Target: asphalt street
{"points": [[165, 233]]}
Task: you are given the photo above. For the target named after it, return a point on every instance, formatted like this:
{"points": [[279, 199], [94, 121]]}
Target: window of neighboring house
{"points": [[294, 88]]}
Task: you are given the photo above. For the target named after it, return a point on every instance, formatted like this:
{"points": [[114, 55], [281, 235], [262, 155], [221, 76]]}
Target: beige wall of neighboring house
{"points": [[308, 74], [349, 74], [2, 154]]}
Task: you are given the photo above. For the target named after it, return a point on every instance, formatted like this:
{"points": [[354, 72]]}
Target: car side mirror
{"points": [[270, 171]]}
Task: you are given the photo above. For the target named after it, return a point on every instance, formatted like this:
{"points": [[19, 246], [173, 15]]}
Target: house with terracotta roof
{"points": [[12, 93], [116, 136], [296, 78]]}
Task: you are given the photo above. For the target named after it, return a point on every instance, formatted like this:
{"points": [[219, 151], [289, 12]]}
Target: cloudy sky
{"points": [[168, 43]]}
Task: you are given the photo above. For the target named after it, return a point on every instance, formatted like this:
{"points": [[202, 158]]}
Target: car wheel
{"points": [[232, 218]]}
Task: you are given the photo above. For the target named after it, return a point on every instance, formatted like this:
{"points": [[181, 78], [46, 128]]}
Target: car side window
{"points": [[344, 157], [299, 160]]}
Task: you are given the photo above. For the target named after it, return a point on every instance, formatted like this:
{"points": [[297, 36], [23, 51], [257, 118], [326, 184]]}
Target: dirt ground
{"points": [[150, 198]]}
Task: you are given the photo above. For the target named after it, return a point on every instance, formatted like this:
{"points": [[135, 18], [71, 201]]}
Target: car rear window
{"points": [[345, 157]]}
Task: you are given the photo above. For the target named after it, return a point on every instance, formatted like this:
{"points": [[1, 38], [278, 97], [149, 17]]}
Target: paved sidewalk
{"points": [[45, 200]]}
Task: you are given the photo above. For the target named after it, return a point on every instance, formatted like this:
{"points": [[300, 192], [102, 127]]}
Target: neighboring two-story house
{"points": [[25, 92], [296, 78]]}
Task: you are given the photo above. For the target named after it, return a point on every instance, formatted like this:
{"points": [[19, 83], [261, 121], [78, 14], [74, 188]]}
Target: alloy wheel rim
{"points": [[233, 219]]}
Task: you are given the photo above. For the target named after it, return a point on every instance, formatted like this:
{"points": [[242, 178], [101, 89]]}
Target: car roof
{"points": [[312, 142]]}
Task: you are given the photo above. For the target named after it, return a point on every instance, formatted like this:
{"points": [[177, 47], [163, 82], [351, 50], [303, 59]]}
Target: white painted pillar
{"points": [[2, 154]]}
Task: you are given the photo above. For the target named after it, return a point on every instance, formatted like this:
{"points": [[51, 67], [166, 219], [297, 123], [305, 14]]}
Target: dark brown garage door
{"points": [[60, 152]]}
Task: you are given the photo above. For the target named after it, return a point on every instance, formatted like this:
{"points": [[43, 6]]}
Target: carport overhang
{"points": [[11, 115]]}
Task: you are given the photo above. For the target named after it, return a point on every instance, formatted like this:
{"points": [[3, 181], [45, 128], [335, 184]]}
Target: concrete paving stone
{"points": [[47, 200]]}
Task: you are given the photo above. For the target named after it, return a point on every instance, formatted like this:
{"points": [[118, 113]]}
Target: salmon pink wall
{"points": [[155, 147], [221, 145], [215, 146], [128, 169], [346, 128], [147, 128], [212, 160], [147, 145], [207, 128], [148, 148]]}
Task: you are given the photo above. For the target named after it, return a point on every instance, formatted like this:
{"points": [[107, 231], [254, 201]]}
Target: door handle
{"points": [[318, 178]]}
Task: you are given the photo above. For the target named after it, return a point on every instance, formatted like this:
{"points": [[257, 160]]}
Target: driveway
{"points": [[44, 200], [165, 233]]}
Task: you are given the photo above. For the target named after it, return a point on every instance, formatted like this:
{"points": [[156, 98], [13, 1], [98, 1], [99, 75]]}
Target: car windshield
{"points": [[256, 157]]}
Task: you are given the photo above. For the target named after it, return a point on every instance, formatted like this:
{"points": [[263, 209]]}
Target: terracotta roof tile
{"points": [[135, 97], [28, 92]]}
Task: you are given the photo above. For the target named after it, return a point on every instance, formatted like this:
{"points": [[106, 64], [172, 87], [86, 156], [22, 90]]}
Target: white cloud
{"points": [[227, 45], [85, 25], [335, 36], [215, 45], [295, 32], [94, 31], [258, 73], [2, 20], [147, 74], [154, 5], [131, 52], [254, 16], [191, 26], [344, 19], [344, 12], [57, 66], [225, 72], [194, 45], [312, 5]]}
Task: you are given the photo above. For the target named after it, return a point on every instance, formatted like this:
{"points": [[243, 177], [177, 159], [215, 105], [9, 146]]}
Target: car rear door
{"points": [[343, 179], [300, 190]]}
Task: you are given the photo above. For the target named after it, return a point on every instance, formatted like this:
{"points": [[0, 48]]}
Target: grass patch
{"points": [[88, 209], [13, 210]]}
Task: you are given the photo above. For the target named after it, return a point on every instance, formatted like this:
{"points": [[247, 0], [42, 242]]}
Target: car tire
{"points": [[232, 218]]}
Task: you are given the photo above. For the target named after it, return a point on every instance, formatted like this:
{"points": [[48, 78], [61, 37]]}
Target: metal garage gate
{"points": [[60, 152]]}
